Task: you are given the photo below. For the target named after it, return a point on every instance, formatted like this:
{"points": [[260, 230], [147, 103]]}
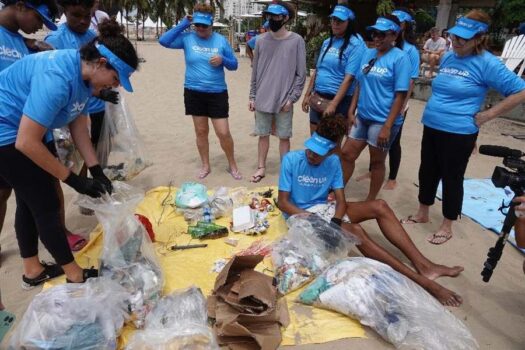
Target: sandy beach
{"points": [[494, 312]]}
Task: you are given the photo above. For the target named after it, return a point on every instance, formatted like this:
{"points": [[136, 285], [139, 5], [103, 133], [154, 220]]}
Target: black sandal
{"points": [[86, 274], [50, 271], [258, 178]]}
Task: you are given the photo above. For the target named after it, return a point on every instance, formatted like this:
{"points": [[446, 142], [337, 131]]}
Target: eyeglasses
{"points": [[458, 39], [336, 20], [369, 66], [200, 25]]}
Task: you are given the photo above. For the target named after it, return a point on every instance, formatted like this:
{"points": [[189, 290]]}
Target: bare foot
{"points": [[390, 185], [414, 219], [445, 296], [363, 177], [435, 271]]}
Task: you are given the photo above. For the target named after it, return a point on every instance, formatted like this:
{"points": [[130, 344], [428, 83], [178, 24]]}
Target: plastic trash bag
{"points": [[310, 246], [66, 150], [218, 205], [74, 316], [120, 149], [191, 195], [178, 321], [127, 256], [402, 312], [220, 202]]}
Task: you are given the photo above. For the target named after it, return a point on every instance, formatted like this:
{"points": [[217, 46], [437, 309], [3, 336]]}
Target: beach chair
{"points": [[514, 53]]}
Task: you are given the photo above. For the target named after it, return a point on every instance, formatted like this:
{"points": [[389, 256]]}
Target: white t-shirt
{"points": [[95, 20], [439, 44]]}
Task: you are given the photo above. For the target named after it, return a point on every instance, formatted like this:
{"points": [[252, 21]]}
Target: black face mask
{"points": [[275, 25]]}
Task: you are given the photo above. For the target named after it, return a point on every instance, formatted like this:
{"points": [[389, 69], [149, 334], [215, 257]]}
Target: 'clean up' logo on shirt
{"points": [[77, 108], [454, 71], [305, 180], [11, 54], [205, 50], [376, 70]]}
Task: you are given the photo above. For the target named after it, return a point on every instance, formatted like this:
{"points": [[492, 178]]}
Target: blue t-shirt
{"points": [[460, 88], [251, 43], [309, 184], [200, 74], [413, 55], [12, 48], [65, 38], [47, 87], [390, 74], [330, 71]]}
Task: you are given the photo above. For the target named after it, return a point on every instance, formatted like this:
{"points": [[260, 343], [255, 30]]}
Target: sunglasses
{"points": [[200, 25], [369, 66], [458, 38], [378, 34], [336, 20]]}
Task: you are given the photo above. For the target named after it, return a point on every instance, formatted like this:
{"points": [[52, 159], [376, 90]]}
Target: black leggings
{"points": [[444, 156], [97, 120], [37, 206]]}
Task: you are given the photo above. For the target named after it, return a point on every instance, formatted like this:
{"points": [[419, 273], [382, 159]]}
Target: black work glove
{"points": [[98, 174], [109, 95], [83, 185], [336, 221]]}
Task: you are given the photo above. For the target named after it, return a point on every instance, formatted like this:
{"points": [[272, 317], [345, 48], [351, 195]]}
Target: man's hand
{"points": [[306, 104], [109, 95], [216, 60], [37, 45], [287, 106], [383, 137], [251, 106]]}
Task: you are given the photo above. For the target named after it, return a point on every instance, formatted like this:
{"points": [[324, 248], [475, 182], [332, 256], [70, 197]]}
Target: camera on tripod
{"points": [[501, 177]]}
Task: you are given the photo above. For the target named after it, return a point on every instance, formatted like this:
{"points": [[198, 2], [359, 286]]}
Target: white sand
{"points": [[494, 312]]}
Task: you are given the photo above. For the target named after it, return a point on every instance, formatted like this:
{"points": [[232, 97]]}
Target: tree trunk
{"points": [[443, 15]]}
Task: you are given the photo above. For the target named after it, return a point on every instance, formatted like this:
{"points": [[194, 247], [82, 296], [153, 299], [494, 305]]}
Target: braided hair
{"points": [[332, 127], [408, 34], [350, 30]]}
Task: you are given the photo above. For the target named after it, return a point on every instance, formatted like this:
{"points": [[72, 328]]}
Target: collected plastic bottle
{"points": [[207, 216]]}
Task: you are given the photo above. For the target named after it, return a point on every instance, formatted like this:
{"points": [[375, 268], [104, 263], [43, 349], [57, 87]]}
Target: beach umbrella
{"points": [[148, 23]]}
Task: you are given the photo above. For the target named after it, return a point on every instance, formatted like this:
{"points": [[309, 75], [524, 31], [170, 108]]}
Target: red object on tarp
{"points": [[147, 225]]}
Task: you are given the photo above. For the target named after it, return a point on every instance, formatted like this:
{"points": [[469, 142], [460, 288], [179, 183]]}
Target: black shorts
{"points": [[206, 104]]}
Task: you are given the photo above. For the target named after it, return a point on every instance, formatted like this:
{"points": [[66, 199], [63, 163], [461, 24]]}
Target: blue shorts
{"points": [[367, 130], [342, 107]]}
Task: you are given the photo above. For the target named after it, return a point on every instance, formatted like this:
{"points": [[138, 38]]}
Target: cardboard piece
{"points": [[244, 305]]}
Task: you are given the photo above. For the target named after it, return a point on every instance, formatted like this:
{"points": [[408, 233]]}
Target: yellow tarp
{"points": [[194, 267]]}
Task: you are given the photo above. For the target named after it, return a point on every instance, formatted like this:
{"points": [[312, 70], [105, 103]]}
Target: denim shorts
{"points": [[367, 130], [342, 107], [283, 124]]}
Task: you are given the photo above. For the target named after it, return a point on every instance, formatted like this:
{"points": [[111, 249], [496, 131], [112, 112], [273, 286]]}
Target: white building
{"points": [[240, 7]]}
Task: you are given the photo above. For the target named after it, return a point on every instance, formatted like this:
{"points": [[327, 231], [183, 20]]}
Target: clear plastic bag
{"points": [[73, 316], [128, 256], [191, 195], [310, 246], [178, 321], [397, 308], [66, 150], [120, 150], [220, 202]]}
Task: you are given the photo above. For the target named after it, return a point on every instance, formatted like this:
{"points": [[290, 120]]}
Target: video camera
{"points": [[502, 178]]}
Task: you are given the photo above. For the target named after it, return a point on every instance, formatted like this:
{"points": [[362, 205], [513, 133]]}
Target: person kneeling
{"points": [[306, 178]]}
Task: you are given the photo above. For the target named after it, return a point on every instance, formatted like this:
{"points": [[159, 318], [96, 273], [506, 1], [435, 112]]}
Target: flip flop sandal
{"points": [[410, 221], [76, 242], [235, 174], [258, 178], [439, 238], [202, 174]]}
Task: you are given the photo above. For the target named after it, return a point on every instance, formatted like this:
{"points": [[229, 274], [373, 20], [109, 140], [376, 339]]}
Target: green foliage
{"points": [[384, 7], [424, 21], [312, 48], [510, 12]]}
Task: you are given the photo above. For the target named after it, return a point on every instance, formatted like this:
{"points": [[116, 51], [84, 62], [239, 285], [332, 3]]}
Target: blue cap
{"points": [[44, 13], [384, 25], [276, 9], [521, 28], [466, 28], [319, 144], [202, 18], [343, 13], [266, 25], [123, 69], [403, 16]]}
